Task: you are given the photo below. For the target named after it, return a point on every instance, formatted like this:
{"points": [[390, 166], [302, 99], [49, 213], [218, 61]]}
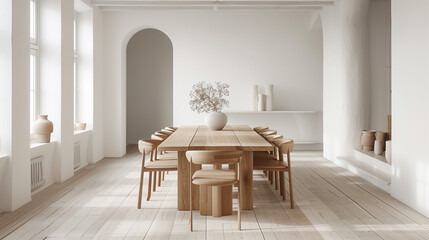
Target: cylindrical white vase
{"points": [[378, 147], [261, 102], [254, 98], [269, 92], [389, 151]]}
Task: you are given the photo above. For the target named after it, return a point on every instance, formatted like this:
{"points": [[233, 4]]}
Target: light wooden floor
{"points": [[100, 203]]}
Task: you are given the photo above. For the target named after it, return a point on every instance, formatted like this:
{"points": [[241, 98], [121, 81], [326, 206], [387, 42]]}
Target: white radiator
{"points": [[76, 159], [37, 173]]}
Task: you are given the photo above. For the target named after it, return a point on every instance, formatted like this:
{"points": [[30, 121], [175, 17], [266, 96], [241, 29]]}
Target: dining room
{"points": [[249, 119]]}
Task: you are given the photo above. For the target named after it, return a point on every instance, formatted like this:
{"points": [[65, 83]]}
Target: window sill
{"points": [[79, 132], [41, 145]]}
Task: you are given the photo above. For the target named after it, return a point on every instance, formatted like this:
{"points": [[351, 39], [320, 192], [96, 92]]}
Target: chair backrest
{"points": [[148, 145], [260, 129], [166, 132], [171, 128], [285, 145], [158, 137], [268, 132], [163, 135], [274, 137], [213, 157]]}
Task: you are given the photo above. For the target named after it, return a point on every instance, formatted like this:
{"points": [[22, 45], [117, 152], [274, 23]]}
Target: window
{"points": [[34, 61], [75, 66]]}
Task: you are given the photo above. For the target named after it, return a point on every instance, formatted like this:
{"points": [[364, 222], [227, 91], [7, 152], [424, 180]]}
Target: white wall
{"points": [[239, 48], [98, 86], [379, 45], [346, 75], [149, 84], [410, 103]]}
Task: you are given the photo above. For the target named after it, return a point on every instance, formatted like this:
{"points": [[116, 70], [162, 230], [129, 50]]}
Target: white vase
{"points": [[269, 92], [216, 120], [378, 147], [389, 151], [42, 129], [254, 97], [261, 102]]}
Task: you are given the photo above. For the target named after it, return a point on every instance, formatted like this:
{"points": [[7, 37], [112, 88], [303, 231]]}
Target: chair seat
{"points": [[167, 155], [263, 155], [164, 164], [214, 178], [269, 163]]}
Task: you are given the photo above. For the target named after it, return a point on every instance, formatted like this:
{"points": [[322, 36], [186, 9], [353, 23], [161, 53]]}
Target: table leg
{"points": [[246, 181], [205, 201], [183, 184], [216, 201]]}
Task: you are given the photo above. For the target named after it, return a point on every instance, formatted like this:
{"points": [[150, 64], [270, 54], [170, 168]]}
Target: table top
{"points": [[235, 137]]}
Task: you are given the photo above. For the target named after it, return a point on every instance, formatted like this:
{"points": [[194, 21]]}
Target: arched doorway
{"points": [[149, 66]]}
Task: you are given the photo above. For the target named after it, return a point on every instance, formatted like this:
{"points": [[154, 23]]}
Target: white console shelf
{"points": [[304, 127]]}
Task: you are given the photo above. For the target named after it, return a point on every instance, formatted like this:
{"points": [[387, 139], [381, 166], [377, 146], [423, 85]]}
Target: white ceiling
{"points": [[229, 5]]}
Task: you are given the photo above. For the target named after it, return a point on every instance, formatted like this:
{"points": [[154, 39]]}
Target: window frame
{"points": [[34, 51], [75, 65]]}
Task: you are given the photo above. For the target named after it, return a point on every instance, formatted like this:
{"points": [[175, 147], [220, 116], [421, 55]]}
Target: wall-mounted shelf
{"points": [[304, 127], [271, 112]]}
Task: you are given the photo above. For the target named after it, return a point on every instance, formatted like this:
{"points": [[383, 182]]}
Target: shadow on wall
{"points": [[149, 84]]}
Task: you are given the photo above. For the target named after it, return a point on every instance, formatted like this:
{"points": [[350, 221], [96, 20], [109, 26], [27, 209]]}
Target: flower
{"points": [[206, 98]]}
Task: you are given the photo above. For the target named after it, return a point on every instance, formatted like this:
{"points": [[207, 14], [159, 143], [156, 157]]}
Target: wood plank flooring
{"points": [[100, 202]]}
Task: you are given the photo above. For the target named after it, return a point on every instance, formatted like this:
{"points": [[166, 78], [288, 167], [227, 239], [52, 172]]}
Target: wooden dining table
{"points": [[232, 137]]}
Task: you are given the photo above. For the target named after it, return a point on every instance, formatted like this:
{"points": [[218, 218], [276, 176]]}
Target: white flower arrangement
{"points": [[206, 98]]}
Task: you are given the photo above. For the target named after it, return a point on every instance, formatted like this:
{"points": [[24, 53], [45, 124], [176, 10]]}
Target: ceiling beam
{"points": [[106, 3], [212, 8]]}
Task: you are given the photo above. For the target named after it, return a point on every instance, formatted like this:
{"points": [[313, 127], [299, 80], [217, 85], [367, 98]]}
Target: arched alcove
{"points": [[149, 66]]}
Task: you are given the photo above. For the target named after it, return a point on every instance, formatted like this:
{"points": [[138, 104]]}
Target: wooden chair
{"points": [[267, 162], [260, 129], [215, 178], [267, 133], [273, 177], [171, 128], [148, 146], [166, 132], [162, 156]]}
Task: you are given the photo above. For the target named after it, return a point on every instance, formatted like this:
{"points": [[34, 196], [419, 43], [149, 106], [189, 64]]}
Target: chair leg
{"points": [[159, 178], [290, 189], [239, 208], [270, 177], [163, 175], [276, 180], [149, 187], [282, 185], [139, 205], [154, 181], [190, 204]]}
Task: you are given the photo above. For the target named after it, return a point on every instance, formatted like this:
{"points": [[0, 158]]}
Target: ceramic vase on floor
{"points": [[269, 92], [254, 98], [42, 129], [216, 120], [367, 140], [261, 102]]}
